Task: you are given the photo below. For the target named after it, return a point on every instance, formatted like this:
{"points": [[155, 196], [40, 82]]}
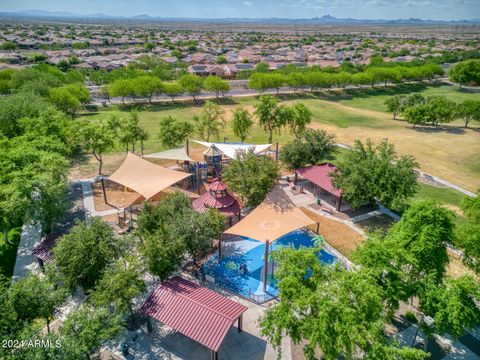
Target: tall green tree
{"points": [[251, 176], [369, 173], [334, 311], [453, 305], [96, 139], [36, 297], [119, 285], [269, 114], [86, 328], [131, 132], [468, 233], [121, 88], [241, 122], [302, 117], [314, 147], [173, 90], [163, 252], [192, 84], [395, 104], [147, 86], [468, 110], [84, 253], [465, 72], [210, 121], [174, 132], [65, 99], [18, 106], [198, 230], [217, 85]]}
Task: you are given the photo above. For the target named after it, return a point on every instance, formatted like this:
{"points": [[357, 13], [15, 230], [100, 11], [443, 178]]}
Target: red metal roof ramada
{"points": [[197, 312], [319, 175], [43, 250]]}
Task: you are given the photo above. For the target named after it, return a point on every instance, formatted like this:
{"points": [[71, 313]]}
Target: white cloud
{"points": [[247, 3]]}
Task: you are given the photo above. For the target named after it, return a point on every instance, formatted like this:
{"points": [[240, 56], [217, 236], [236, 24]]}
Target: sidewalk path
{"points": [[88, 202], [25, 261]]}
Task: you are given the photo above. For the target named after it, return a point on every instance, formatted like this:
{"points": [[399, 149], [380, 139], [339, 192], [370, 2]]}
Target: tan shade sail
{"points": [[272, 219], [144, 177]]}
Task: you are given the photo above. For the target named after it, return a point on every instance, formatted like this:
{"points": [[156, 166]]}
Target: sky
{"points": [[359, 9]]}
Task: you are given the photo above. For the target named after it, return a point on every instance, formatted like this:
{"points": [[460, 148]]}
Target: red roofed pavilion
{"points": [[217, 197], [319, 177], [43, 251], [197, 312]]}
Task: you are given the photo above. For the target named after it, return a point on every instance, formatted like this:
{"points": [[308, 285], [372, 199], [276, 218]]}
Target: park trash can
{"points": [[319, 202]]}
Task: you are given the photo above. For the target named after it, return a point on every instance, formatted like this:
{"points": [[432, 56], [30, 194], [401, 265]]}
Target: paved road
{"points": [[236, 91]]}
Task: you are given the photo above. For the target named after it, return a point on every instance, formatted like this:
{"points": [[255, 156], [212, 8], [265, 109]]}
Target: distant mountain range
{"points": [[326, 19]]}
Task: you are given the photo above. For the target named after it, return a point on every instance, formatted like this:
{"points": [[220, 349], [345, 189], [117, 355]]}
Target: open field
{"points": [[374, 99], [449, 152]]}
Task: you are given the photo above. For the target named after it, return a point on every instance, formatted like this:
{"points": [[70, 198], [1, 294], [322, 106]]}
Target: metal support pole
{"points": [[240, 323], [104, 191], [214, 355], [318, 228], [187, 147], [220, 248], [265, 266], [276, 152], [197, 171]]}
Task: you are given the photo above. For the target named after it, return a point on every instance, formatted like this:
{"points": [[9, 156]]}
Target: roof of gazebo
{"points": [[227, 204]]}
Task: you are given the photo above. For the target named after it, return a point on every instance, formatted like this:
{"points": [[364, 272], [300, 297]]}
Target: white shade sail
{"points": [[178, 154], [230, 149]]}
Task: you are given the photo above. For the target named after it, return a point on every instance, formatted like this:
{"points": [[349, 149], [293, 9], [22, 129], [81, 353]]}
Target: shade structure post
{"points": [[276, 152], [104, 191], [214, 355], [339, 204], [187, 147], [240, 323], [197, 171], [220, 247], [265, 267], [318, 228]]}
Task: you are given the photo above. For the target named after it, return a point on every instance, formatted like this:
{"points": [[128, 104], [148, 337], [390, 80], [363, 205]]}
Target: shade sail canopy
{"points": [[230, 149], [320, 176], [272, 219], [197, 312], [144, 177], [178, 154]]}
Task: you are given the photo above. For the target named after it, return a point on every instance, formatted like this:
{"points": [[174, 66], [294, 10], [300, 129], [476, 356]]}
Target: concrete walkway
{"points": [[88, 202], [25, 261]]}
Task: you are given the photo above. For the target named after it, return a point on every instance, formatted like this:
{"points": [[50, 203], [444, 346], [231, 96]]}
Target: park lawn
{"points": [[449, 152], [446, 195], [8, 253], [374, 99]]}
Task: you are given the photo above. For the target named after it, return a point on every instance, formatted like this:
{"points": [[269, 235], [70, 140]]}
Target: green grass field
{"points": [[8, 253], [449, 152], [445, 195], [374, 99]]}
